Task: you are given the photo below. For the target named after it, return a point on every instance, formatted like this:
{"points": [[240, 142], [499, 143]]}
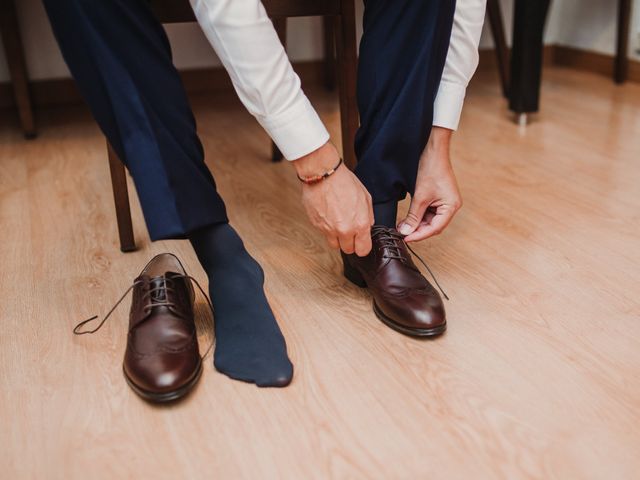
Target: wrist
{"points": [[317, 162], [435, 158], [440, 139]]}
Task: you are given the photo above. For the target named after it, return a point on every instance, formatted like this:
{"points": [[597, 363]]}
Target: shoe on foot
{"points": [[402, 297]]}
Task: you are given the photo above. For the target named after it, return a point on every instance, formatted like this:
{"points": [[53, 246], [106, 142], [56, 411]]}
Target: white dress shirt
{"points": [[244, 39]]}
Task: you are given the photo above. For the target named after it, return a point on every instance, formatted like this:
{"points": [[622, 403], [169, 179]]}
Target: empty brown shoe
{"points": [[402, 298], [162, 361]]}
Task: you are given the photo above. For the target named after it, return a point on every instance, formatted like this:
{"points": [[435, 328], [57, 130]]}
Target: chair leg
{"points": [[525, 76], [280, 24], [121, 200], [347, 65], [621, 65], [499, 39], [329, 53], [276, 154], [17, 68]]}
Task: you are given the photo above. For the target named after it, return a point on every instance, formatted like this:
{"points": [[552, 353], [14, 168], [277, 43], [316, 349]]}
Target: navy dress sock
{"points": [[386, 213], [249, 343]]}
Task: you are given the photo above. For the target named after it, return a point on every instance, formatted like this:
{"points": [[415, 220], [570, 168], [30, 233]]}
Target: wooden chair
{"points": [[339, 23], [621, 62], [621, 59], [10, 34]]}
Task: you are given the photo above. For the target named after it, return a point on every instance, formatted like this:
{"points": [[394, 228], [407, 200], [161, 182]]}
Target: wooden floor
{"points": [[537, 377]]}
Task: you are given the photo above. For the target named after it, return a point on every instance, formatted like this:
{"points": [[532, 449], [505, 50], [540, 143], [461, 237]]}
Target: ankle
{"points": [[216, 245], [386, 213]]}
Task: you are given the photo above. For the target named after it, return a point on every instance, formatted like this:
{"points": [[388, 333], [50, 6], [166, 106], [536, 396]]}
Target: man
{"points": [[120, 57]]}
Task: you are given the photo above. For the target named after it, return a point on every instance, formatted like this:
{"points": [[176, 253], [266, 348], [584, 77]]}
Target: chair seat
{"points": [[340, 15], [179, 12]]}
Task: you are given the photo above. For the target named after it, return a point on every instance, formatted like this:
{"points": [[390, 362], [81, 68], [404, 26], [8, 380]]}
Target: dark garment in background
{"points": [[120, 57], [529, 18]]}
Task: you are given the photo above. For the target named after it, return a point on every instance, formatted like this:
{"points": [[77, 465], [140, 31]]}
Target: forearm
{"points": [[243, 36], [461, 62]]}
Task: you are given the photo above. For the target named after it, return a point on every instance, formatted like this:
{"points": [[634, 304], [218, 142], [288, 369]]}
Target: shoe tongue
{"points": [[158, 287]]}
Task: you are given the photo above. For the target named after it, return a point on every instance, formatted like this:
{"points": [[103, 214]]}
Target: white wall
{"points": [[586, 24], [190, 47], [591, 25]]}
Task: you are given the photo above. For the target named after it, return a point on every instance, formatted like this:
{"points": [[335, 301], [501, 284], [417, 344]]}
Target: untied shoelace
{"points": [[152, 302]]}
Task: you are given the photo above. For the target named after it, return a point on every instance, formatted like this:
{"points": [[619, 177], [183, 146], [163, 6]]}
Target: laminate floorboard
{"points": [[538, 375]]}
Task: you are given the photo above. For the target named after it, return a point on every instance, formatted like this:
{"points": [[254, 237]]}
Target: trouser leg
{"points": [[402, 55], [120, 57]]}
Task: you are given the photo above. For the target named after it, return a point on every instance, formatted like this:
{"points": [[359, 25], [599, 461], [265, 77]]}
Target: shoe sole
{"points": [[165, 397], [354, 277]]}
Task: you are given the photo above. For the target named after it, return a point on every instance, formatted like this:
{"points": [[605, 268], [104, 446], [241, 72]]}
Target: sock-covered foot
{"points": [[385, 213], [249, 343]]}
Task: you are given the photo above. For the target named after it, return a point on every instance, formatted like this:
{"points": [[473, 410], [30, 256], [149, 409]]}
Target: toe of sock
{"points": [[273, 373], [277, 379]]}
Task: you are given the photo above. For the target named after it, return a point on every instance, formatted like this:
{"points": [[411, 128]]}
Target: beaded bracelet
{"points": [[318, 178]]}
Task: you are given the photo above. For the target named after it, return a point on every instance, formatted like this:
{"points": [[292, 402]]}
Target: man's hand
{"points": [[339, 206], [436, 198]]}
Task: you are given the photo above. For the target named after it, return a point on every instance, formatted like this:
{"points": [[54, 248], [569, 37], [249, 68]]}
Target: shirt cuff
{"points": [[448, 105], [298, 130]]}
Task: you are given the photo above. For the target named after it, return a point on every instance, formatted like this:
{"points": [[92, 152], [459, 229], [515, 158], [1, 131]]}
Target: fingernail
{"points": [[404, 229]]}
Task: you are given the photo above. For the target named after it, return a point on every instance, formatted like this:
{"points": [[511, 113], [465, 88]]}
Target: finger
{"points": [[414, 216], [363, 243], [347, 244], [372, 220], [428, 229], [333, 242]]}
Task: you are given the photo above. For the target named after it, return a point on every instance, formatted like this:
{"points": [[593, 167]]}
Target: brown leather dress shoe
{"points": [[402, 298], [162, 361]]}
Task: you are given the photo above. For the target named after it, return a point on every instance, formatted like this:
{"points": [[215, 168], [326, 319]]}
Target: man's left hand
{"points": [[436, 198]]}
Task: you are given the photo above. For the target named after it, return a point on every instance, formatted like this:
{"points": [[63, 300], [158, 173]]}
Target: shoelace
{"points": [[153, 301], [161, 290], [390, 240]]}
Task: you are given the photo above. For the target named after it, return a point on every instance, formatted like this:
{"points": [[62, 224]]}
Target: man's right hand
{"points": [[339, 206]]}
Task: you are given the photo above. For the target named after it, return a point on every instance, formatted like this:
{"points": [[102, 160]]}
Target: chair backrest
{"points": [[172, 11]]}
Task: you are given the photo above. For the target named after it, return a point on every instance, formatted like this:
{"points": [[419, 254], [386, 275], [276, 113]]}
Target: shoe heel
{"points": [[353, 275]]}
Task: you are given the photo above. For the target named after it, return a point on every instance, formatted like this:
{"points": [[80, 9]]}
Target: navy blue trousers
{"points": [[402, 54], [120, 57]]}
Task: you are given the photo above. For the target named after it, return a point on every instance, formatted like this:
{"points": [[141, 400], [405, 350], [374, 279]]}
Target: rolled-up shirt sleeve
{"points": [[248, 46], [461, 63]]}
